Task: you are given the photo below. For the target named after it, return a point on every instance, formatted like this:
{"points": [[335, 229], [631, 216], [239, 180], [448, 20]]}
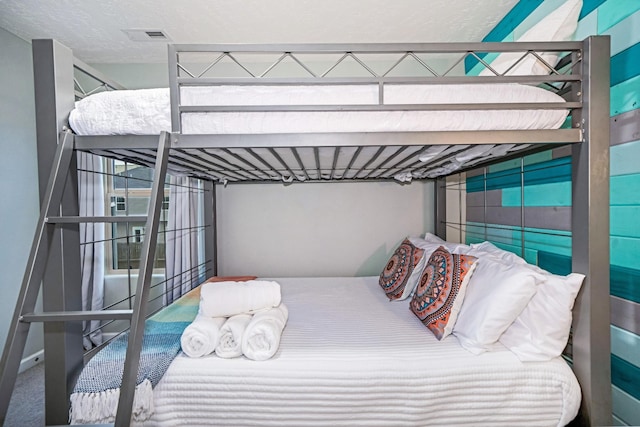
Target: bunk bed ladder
{"points": [[24, 312], [134, 345]]}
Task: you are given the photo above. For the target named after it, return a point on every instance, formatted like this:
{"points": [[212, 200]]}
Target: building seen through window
{"points": [[128, 194]]}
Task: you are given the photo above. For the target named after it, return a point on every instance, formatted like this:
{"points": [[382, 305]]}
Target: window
{"points": [[129, 191], [138, 234], [120, 203]]}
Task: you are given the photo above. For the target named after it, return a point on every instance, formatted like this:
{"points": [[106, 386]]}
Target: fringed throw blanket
{"points": [[95, 396]]}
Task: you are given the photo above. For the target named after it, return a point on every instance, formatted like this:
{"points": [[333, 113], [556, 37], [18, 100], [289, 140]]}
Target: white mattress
{"points": [[349, 357], [147, 111]]}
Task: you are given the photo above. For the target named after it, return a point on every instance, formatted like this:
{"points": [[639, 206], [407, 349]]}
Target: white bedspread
{"points": [[147, 111], [349, 357]]}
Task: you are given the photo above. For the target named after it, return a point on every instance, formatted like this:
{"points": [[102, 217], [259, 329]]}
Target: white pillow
{"points": [[541, 331], [454, 248], [497, 293], [429, 237], [559, 25], [478, 249]]}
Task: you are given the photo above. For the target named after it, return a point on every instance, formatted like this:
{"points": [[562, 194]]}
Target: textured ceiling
{"points": [[93, 29]]}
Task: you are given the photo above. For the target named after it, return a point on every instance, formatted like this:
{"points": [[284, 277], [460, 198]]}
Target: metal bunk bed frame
{"points": [[56, 244]]}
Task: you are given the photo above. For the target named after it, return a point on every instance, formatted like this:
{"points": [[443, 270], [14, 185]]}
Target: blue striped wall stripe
{"points": [[625, 96], [625, 33], [625, 345], [625, 407], [554, 263], [589, 6], [624, 65], [624, 251], [552, 194], [624, 221], [624, 190], [624, 283], [555, 170], [612, 12], [624, 159], [625, 376]]}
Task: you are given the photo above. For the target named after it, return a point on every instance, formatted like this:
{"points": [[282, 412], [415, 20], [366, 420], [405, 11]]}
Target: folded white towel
{"points": [[201, 337], [226, 299], [262, 337], [230, 343]]}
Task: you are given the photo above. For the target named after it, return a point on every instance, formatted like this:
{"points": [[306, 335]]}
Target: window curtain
{"points": [[182, 261], [92, 235]]}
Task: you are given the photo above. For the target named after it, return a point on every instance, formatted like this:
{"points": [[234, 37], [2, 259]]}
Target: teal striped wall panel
{"points": [[551, 249], [624, 65], [625, 376], [624, 34], [612, 12]]}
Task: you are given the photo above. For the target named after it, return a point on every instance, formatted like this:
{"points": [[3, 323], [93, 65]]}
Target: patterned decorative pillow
{"points": [[400, 276], [440, 292]]}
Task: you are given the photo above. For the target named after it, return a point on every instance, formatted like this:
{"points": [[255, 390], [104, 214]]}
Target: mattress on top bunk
{"points": [[147, 111], [350, 357]]}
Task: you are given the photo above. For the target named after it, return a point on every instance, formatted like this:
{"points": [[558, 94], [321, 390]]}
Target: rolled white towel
{"points": [[230, 343], [226, 299], [262, 337], [201, 337]]}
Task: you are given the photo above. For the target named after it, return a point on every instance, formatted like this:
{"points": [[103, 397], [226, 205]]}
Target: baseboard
{"points": [[31, 361]]}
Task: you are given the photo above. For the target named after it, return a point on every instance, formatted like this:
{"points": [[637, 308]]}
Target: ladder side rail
{"points": [[136, 333], [36, 264]]}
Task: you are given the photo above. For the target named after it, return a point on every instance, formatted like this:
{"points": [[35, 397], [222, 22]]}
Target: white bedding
{"points": [[147, 111], [349, 357]]}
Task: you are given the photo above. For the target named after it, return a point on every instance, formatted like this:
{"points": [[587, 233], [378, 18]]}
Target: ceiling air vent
{"points": [[137, 35]]}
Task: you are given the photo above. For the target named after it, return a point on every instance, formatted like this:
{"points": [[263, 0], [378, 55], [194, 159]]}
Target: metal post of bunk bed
{"points": [[210, 232], [590, 238], [136, 333], [440, 211], [54, 92]]}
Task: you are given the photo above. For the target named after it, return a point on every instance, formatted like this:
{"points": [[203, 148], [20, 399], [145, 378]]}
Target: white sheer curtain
{"points": [[91, 200], [182, 237]]}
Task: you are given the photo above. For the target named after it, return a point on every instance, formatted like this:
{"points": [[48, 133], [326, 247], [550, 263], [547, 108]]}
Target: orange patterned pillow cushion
{"points": [[440, 291], [400, 276]]}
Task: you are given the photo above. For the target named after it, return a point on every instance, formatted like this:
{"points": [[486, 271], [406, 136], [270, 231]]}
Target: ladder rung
{"points": [[83, 219], [66, 316]]}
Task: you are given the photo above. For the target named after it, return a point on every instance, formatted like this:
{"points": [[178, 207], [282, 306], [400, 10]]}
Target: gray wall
{"points": [[346, 229], [18, 176]]}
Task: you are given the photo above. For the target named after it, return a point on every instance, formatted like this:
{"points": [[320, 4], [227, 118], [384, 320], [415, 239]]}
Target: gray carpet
{"points": [[26, 408]]}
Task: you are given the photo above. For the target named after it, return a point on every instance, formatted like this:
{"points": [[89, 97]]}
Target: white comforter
{"points": [[349, 357], [147, 111]]}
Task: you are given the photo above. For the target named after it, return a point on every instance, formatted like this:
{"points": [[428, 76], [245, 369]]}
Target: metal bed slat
{"points": [[243, 160], [371, 160], [316, 152], [264, 162], [221, 159], [282, 162], [415, 154], [302, 167], [399, 150], [336, 154], [201, 164]]}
